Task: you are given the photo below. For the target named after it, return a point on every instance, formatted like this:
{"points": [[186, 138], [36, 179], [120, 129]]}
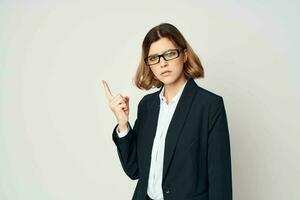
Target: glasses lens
{"points": [[169, 55], [152, 60]]}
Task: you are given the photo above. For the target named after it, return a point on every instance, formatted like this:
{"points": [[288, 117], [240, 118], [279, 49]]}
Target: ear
{"points": [[185, 56]]}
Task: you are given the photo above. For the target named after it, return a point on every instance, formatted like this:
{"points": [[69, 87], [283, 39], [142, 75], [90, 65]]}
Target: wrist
{"points": [[122, 127]]}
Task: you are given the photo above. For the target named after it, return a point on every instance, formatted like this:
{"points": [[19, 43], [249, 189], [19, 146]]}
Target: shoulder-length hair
{"points": [[144, 77]]}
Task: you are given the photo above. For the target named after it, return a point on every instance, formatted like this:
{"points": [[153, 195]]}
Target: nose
{"points": [[163, 62]]}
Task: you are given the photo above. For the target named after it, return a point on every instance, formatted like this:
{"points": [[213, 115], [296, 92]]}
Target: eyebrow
{"points": [[162, 52]]}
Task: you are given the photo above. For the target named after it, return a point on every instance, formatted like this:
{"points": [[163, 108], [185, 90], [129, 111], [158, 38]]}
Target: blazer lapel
{"points": [[177, 122], [175, 127]]}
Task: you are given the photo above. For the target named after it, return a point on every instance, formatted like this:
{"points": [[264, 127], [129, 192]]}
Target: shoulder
{"points": [[208, 97], [144, 102], [212, 101], [204, 96], [146, 99]]}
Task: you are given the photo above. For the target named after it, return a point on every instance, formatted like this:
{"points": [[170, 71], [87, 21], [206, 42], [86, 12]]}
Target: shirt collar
{"points": [[175, 98]]}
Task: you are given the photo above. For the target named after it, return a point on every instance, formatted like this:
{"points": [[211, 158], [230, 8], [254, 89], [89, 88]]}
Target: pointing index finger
{"points": [[107, 90]]}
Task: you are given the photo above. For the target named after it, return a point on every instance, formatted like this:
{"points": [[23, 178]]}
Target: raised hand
{"points": [[119, 104]]}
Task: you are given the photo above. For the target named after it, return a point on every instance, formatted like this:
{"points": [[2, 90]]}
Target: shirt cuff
{"points": [[122, 134]]}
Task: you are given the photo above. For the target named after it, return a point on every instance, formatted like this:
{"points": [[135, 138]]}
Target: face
{"points": [[175, 66]]}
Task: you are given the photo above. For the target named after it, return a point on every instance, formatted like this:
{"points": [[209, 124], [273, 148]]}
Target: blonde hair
{"points": [[144, 77]]}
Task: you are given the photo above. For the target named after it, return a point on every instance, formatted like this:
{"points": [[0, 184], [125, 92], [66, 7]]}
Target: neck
{"points": [[171, 89]]}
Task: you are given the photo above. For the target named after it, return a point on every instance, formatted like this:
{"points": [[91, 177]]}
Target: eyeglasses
{"points": [[167, 55]]}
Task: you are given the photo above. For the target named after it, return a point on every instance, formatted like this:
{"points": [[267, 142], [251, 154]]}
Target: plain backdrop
{"points": [[55, 122]]}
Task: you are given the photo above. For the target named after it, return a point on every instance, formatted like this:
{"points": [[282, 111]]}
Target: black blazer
{"points": [[197, 160]]}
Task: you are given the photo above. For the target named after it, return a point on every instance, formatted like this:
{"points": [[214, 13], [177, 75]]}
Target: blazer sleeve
{"points": [[127, 146], [219, 158]]}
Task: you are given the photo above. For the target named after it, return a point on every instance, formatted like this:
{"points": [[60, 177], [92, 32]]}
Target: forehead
{"points": [[161, 46]]}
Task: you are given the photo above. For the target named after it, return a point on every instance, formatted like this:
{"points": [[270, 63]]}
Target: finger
{"points": [[122, 106], [126, 106], [107, 90], [126, 98], [117, 99]]}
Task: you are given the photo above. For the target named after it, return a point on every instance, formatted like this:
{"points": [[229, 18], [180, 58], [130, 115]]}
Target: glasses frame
{"points": [[162, 55]]}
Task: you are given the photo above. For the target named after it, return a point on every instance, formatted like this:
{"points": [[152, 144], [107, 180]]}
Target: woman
{"points": [[179, 146]]}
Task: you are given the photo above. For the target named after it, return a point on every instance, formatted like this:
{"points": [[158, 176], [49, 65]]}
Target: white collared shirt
{"points": [[166, 112]]}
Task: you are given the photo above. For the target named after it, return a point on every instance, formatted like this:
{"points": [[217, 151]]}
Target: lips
{"points": [[165, 72]]}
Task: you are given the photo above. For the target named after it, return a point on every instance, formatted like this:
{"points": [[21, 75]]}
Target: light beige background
{"points": [[55, 123]]}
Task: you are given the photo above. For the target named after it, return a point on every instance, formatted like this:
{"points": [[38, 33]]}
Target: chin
{"points": [[168, 80]]}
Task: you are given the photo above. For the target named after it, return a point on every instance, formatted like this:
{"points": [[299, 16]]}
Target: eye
{"points": [[170, 53], [153, 58]]}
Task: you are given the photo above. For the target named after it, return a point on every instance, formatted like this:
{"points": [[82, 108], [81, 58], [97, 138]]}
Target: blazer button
{"points": [[167, 190]]}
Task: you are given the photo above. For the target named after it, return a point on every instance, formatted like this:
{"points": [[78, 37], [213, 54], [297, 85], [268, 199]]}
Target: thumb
{"points": [[126, 98]]}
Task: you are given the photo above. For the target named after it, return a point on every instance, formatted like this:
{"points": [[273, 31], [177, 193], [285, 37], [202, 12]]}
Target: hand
{"points": [[119, 104]]}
